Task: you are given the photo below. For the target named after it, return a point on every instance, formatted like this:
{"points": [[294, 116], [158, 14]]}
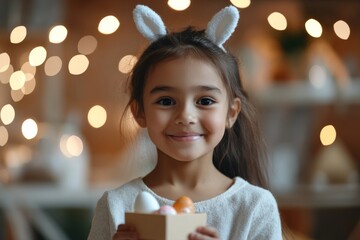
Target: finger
{"points": [[208, 231]]}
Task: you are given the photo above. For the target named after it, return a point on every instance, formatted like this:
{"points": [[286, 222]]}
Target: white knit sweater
{"points": [[244, 211]]}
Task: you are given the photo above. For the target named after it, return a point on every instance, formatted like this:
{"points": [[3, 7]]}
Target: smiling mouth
{"points": [[186, 138]]}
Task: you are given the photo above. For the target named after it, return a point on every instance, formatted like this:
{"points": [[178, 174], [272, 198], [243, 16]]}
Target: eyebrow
{"points": [[206, 88]]}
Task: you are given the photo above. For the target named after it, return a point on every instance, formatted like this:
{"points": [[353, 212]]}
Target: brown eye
{"points": [[205, 101], [166, 101]]}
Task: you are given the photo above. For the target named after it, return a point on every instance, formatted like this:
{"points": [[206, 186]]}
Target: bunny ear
{"points": [[222, 25], [148, 23]]}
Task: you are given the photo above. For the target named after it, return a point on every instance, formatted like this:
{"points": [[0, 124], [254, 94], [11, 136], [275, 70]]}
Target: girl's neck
{"points": [[198, 179]]}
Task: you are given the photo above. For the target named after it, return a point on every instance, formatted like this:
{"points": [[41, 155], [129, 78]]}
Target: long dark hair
{"points": [[241, 151]]}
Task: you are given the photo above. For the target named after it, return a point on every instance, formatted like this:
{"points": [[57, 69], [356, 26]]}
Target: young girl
{"points": [[186, 91]]}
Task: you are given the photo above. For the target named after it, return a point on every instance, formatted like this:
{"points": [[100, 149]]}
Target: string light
{"points": [[328, 135], [241, 3], [97, 116], [58, 34], [108, 25], [4, 136], [29, 129], [179, 5], [7, 114], [313, 28], [127, 63], [18, 34], [277, 21], [37, 56], [342, 29], [78, 64]]}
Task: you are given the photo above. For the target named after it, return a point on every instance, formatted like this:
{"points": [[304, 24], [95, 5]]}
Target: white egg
{"points": [[146, 203]]}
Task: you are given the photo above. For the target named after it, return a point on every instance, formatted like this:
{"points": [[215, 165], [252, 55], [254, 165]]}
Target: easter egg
{"points": [[146, 203], [184, 205], [166, 210]]}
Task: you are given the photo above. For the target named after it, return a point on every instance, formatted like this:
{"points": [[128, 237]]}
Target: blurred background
{"points": [[64, 66]]}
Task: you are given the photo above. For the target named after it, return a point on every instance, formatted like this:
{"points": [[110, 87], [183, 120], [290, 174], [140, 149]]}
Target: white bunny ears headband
{"points": [[218, 30]]}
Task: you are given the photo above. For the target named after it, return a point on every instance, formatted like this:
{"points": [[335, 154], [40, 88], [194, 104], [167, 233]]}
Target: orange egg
{"points": [[184, 205]]}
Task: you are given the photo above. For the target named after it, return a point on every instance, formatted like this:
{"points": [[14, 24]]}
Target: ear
{"points": [[138, 114], [148, 23], [234, 110], [222, 25]]}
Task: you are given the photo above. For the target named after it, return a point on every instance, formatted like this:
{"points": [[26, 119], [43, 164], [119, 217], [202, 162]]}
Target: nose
{"points": [[186, 115]]}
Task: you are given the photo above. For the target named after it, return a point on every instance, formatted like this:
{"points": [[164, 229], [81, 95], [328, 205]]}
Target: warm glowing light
{"points": [[27, 68], [179, 5], [4, 61], [18, 34], [87, 45], [78, 64], [17, 80], [277, 21], [58, 34], [30, 84], [74, 145], [71, 146], [342, 29], [5, 76], [108, 25], [16, 95], [317, 76], [4, 136], [127, 63], [53, 66], [37, 56], [97, 116], [328, 135], [241, 3], [313, 28], [7, 114], [29, 129]]}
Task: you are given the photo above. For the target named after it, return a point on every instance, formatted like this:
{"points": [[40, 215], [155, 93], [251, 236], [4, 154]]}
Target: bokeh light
{"points": [[342, 29], [97, 116], [17, 95], [127, 63], [313, 28], [7, 114], [108, 25], [87, 45], [277, 21], [4, 136], [241, 3], [17, 80], [179, 5], [328, 135], [58, 34], [30, 84], [18, 34], [29, 129], [78, 64], [27, 68], [71, 145], [5, 76], [53, 66], [37, 56], [4, 61]]}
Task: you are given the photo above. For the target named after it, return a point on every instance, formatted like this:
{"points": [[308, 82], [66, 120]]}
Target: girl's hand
{"points": [[126, 232], [204, 233]]}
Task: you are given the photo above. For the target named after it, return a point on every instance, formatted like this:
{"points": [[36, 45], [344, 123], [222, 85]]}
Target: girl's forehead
{"points": [[184, 69]]}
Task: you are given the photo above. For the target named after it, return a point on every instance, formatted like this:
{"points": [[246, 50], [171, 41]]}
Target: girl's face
{"points": [[186, 108]]}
